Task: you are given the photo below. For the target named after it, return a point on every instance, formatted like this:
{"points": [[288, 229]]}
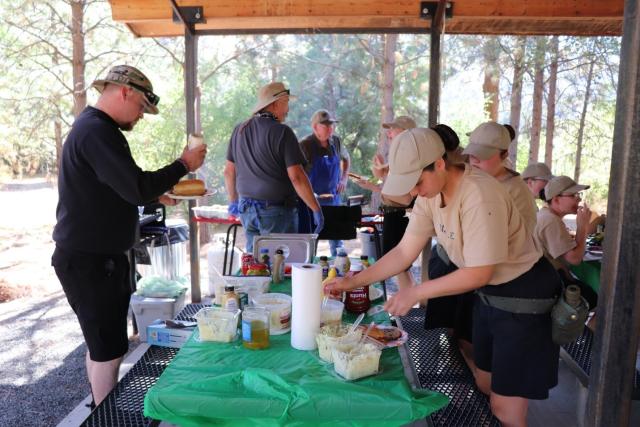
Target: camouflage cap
{"points": [[130, 76], [324, 117]]}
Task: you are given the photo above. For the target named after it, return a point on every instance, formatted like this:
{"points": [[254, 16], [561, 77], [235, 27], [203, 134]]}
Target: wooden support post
{"points": [[437, 22], [190, 79], [618, 313]]}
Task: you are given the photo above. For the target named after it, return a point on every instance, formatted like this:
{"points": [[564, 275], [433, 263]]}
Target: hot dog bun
{"points": [[189, 187], [384, 333]]}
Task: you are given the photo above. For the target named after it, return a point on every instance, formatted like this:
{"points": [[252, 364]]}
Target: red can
{"points": [[247, 260]]}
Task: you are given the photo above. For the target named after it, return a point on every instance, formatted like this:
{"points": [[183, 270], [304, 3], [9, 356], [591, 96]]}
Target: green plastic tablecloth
{"points": [[225, 384], [589, 273]]}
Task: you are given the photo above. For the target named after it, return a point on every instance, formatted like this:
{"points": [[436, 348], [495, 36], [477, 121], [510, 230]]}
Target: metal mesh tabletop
{"points": [[439, 366]]}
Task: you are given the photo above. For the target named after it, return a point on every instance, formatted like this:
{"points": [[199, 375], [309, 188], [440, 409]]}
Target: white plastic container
{"points": [[356, 361], [332, 335], [279, 306], [147, 310], [368, 243], [215, 264], [331, 312], [217, 324]]}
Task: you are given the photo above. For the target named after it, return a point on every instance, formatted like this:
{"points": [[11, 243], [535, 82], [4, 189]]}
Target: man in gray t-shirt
{"points": [[264, 170]]}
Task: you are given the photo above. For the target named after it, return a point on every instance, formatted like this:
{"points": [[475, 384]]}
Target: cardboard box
{"points": [[159, 334]]}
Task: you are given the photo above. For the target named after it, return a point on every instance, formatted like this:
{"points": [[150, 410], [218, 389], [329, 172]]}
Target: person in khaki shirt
{"points": [[478, 224], [563, 196], [488, 148], [536, 176]]}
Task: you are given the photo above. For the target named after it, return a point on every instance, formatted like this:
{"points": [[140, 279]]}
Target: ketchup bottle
{"points": [[357, 300]]}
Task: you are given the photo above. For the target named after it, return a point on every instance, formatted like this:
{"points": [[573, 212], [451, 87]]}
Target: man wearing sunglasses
{"points": [[264, 172], [99, 188]]}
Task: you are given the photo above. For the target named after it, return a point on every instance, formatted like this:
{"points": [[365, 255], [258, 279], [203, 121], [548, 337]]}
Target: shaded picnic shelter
{"points": [[618, 311]]}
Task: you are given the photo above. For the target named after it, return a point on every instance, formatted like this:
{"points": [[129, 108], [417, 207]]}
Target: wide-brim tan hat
{"points": [[126, 75], [410, 152], [562, 184], [270, 93], [400, 122]]}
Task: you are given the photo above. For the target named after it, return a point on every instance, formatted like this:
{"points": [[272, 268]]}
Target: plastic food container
{"points": [[217, 324], [331, 313], [353, 361], [331, 336], [279, 306]]}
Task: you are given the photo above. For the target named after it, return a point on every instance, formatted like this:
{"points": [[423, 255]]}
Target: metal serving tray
{"points": [[296, 247]]}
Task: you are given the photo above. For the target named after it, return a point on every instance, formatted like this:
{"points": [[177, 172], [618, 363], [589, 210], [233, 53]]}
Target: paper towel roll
{"points": [[306, 299]]}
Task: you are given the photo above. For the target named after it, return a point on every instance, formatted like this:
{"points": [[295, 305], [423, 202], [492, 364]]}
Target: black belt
{"points": [[392, 209]]}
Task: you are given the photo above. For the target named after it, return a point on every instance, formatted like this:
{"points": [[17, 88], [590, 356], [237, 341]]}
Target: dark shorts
{"points": [[517, 348], [453, 312], [98, 289], [394, 225]]}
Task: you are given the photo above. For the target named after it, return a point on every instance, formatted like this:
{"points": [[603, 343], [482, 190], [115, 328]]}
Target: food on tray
{"points": [[354, 176], [333, 335], [189, 187], [217, 324], [384, 333], [353, 361]]}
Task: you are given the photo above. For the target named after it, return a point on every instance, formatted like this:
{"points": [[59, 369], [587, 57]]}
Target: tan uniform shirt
{"points": [[552, 237], [519, 192], [480, 226]]}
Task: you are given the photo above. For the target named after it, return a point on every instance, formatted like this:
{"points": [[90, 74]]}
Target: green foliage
{"points": [[341, 73]]}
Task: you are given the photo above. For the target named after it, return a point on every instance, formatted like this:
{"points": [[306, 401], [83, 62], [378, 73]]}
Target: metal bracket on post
{"points": [[428, 9], [191, 14]]}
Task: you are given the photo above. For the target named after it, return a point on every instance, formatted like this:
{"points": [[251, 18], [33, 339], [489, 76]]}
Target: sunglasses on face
{"points": [[287, 91], [575, 195], [151, 97]]}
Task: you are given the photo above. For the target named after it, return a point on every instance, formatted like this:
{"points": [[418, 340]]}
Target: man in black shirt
{"points": [[100, 187]]}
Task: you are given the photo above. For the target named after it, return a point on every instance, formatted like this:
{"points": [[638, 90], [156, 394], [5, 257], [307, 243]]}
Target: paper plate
{"points": [[404, 336], [176, 197]]}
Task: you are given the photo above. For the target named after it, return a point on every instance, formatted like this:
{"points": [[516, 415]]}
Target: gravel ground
{"points": [[42, 358]]}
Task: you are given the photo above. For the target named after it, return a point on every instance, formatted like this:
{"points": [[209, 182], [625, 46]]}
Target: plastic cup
{"points": [[331, 313], [195, 140], [255, 328]]}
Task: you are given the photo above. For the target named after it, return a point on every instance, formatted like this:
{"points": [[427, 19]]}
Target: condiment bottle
{"points": [[364, 260], [277, 272], [324, 263], [357, 300], [230, 300], [264, 257], [342, 263]]}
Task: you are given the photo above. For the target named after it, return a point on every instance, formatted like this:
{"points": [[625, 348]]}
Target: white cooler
{"points": [[146, 310]]}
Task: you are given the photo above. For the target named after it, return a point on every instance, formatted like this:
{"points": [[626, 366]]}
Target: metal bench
{"points": [[577, 356], [439, 366]]}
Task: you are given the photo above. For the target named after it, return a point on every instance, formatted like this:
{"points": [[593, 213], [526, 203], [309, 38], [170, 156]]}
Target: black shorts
{"points": [[394, 225], [454, 311], [517, 348], [98, 288]]}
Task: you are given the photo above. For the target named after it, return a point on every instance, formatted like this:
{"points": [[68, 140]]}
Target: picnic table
{"points": [[226, 384]]}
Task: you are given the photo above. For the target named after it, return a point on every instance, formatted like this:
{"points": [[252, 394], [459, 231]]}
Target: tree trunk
{"points": [[57, 130], [516, 94], [551, 103], [583, 115], [538, 89], [388, 78], [77, 37], [491, 85]]}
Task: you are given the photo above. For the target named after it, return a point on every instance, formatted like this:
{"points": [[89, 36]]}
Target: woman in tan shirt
{"points": [[481, 230], [563, 196]]}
